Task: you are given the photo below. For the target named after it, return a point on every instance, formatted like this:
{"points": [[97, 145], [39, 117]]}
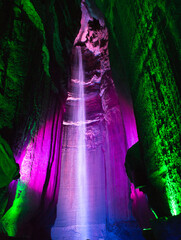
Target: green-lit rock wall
{"points": [[35, 41], [36, 38], [144, 39]]}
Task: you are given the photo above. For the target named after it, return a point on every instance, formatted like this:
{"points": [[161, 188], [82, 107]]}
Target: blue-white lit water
{"points": [[81, 213], [82, 218]]}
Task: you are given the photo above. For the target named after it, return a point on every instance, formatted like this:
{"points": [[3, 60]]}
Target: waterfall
{"points": [[81, 155], [94, 189], [72, 220]]}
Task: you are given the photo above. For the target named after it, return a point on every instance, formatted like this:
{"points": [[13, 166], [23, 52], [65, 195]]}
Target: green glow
{"points": [[35, 18], [144, 43], [12, 217], [46, 59], [154, 213], [173, 194], [146, 229], [33, 15]]}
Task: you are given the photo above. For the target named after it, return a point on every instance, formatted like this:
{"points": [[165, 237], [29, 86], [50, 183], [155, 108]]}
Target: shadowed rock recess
{"points": [[38, 39]]}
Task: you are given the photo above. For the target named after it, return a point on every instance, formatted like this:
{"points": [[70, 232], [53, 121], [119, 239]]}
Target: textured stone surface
{"points": [[35, 39], [34, 47], [8, 168], [33, 58], [106, 140], [145, 36]]}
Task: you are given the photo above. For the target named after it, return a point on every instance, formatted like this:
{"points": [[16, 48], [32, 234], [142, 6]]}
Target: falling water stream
{"points": [[93, 187], [81, 155], [73, 204], [90, 155]]}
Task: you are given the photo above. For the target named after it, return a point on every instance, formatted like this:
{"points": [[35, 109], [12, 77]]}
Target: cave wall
{"points": [[36, 38], [107, 138], [35, 45], [144, 38]]}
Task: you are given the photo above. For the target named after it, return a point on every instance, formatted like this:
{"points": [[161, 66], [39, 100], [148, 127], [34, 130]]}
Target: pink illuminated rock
{"points": [[107, 192]]}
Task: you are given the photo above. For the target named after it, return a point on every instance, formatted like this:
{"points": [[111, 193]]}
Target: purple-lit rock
{"points": [[106, 141], [45, 161]]}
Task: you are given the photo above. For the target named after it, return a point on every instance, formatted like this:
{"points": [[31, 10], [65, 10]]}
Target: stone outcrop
{"points": [[106, 141], [35, 48], [145, 37]]}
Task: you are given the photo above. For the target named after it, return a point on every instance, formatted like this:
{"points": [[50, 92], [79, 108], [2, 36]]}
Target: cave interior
{"points": [[90, 125]]}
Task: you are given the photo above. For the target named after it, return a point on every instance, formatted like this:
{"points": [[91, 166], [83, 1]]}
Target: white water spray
{"points": [[82, 187]]}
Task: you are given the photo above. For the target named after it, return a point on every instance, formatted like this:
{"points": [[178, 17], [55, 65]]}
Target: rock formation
{"points": [[34, 70], [106, 141], [146, 36], [36, 40]]}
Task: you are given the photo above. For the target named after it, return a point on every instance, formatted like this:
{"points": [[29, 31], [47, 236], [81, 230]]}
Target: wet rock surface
{"points": [[34, 70], [105, 139]]}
